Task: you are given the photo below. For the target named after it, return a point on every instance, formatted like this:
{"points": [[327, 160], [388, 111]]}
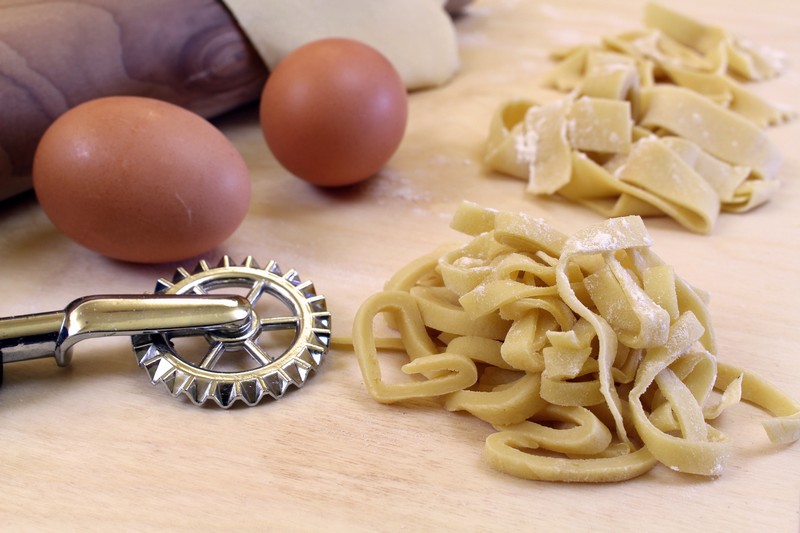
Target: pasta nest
{"points": [[589, 356]]}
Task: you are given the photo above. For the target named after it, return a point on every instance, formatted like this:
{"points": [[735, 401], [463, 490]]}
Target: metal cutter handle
{"points": [[54, 333]]}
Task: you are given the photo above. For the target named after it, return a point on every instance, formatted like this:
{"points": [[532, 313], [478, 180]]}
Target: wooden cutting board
{"points": [[96, 447]]}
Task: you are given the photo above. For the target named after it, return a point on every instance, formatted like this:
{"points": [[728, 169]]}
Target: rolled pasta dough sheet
{"points": [[417, 36]]}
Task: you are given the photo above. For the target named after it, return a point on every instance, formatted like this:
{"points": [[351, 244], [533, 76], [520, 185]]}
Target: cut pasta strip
{"points": [[599, 125], [719, 132], [505, 404], [452, 372], [544, 146], [785, 427], [742, 59], [514, 452]]}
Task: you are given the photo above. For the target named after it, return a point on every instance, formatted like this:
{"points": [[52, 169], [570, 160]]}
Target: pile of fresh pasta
{"points": [[591, 359], [656, 122]]}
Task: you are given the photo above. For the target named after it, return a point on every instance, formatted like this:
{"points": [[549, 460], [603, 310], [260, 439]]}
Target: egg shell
{"points": [[140, 180], [334, 111]]}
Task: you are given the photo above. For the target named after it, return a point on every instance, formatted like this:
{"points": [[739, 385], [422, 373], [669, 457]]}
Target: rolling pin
{"points": [[56, 55]]}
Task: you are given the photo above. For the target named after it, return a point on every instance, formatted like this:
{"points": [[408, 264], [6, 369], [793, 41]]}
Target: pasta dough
{"points": [[589, 356], [417, 36], [654, 124]]}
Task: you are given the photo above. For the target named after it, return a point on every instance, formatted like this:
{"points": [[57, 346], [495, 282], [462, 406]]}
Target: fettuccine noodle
{"points": [[589, 356], [655, 124]]}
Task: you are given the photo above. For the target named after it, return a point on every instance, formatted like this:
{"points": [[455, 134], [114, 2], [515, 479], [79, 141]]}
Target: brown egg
{"points": [[140, 180], [334, 111]]}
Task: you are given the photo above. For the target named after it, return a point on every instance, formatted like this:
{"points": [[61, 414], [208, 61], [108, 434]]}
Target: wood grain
{"points": [[96, 447], [55, 55]]}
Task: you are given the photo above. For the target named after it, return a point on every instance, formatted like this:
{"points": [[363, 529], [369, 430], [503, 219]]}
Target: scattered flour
{"points": [[389, 185]]}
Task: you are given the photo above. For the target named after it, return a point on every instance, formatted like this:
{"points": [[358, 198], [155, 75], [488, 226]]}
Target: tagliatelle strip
{"points": [[654, 125], [722, 51], [592, 360], [720, 133]]}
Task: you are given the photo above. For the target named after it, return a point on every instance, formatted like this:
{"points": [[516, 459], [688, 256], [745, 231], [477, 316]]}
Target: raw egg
{"points": [[140, 180], [334, 111]]}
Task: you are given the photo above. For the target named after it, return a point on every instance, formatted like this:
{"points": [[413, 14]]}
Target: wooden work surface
{"points": [[95, 447]]}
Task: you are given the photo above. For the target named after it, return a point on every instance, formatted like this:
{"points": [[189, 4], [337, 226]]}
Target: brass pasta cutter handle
{"points": [[53, 334]]}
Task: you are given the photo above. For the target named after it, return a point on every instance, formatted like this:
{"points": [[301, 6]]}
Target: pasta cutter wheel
{"points": [[224, 325], [272, 374]]}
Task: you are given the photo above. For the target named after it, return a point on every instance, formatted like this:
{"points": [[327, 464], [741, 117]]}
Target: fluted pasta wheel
{"points": [[259, 370]]}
